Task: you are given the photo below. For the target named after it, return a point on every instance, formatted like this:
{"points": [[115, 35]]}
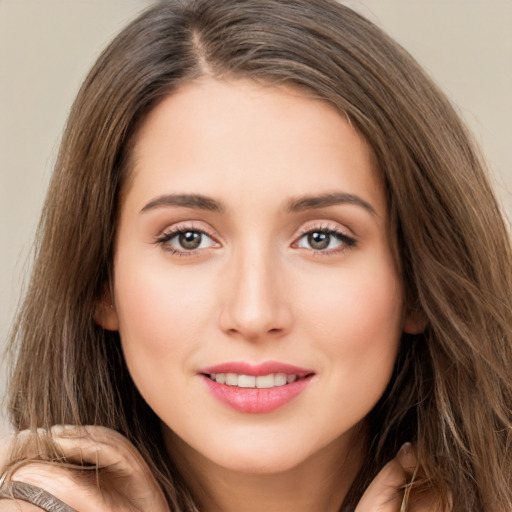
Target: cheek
{"points": [[161, 313], [358, 332], [355, 316]]}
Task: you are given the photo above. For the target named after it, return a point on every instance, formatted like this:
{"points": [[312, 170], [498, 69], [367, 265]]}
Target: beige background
{"points": [[47, 46]]}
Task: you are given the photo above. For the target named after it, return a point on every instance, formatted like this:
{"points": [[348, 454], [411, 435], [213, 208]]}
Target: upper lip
{"points": [[266, 368]]}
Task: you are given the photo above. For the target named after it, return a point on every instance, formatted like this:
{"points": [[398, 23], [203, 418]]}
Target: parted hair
{"points": [[451, 390]]}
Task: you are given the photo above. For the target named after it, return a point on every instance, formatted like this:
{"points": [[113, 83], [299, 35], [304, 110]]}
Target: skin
{"points": [[129, 483], [255, 290]]}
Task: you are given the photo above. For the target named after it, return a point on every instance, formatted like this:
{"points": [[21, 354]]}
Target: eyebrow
{"points": [[325, 200], [299, 204], [195, 201]]}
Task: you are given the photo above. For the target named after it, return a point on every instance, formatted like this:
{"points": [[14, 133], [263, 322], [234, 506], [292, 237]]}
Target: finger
{"points": [[417, 500], [406, 457], [124, 473], [108, 449], [385, 493], [21, 491], [59, 482], [5, 442], [96, 445]]}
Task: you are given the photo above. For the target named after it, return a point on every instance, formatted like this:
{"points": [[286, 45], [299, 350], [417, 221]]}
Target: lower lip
{"points": [[256, 400]]}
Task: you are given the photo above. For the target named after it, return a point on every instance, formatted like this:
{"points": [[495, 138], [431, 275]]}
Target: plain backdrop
{"points": [[47, 47]]}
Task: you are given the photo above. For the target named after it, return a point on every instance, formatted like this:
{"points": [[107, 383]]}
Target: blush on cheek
{"points": [[361, 327], [356, 310]]}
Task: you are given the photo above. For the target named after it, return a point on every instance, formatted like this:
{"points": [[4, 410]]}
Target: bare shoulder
{"points": [[17, 506]]}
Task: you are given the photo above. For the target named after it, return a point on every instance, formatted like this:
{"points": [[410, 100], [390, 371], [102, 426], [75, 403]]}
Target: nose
{"points": [[256, 305]]}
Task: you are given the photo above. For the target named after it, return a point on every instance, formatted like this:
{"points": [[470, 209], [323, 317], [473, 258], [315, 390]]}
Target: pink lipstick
{"points": [[258, 388]]}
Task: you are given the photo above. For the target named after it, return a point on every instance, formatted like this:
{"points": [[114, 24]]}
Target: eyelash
{"points": [[347, 242], [167, 236]]}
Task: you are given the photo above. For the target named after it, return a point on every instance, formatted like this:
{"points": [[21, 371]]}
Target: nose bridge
{"points": [[255, 305]]}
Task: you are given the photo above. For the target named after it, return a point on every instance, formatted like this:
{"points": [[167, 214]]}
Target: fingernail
{"points": [[404, 449], [407, 456]]}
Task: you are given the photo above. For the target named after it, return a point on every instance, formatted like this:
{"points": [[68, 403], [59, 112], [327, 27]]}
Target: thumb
{"points": [[385, 493]]}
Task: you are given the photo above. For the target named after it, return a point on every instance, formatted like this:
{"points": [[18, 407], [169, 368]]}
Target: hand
{"points": [[386, 494], [126, 484]]}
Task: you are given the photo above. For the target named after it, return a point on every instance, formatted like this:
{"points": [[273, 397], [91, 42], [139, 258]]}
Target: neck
{"points": [[319, 483]]}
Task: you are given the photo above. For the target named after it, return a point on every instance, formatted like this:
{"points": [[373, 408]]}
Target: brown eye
{"points": [[327, 241], [190, 240], [186, 241], [319, 240]]}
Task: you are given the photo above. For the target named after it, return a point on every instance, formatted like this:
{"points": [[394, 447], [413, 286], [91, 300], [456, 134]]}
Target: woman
{"points": [[270, 259]]}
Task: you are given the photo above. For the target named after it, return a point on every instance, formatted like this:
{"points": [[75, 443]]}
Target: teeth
{"points": [[231, 379], [250, 381], [280, 379], [246, 381], [265, 381]]}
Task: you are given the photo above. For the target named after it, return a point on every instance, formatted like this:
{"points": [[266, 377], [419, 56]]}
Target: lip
{"points": [[257, 370], [256, 400]]}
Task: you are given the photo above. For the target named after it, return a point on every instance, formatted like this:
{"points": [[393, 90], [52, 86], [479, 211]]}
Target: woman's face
{"points": [[256, 295]]}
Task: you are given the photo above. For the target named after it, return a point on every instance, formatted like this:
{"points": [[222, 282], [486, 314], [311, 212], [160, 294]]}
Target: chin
{"points": [[247, 453], [258, 463]]}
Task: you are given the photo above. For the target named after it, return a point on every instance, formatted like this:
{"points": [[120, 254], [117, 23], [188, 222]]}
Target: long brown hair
{"points": [[451, 392]]}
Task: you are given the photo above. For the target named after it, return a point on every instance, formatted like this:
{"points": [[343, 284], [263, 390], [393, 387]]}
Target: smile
{"points": [[256, 389], [251, 381]]}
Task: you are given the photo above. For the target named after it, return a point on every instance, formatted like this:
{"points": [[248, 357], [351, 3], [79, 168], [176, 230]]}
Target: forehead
{"points": [[217, 137]]}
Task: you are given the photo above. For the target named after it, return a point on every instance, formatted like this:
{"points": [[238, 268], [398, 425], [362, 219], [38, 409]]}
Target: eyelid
{"points": [[167, 234], [345, 235], [187, 225], [325, 225]]}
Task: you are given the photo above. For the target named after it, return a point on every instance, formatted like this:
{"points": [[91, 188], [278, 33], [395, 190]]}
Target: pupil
{"points": [[190, 239], [319, 240]]}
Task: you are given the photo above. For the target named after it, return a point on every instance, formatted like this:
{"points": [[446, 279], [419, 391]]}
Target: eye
{"points": [[185, 240], [325, 240]]}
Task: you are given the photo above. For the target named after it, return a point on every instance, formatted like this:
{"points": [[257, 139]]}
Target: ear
{"points": [[105, 315], [415, 322]]}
